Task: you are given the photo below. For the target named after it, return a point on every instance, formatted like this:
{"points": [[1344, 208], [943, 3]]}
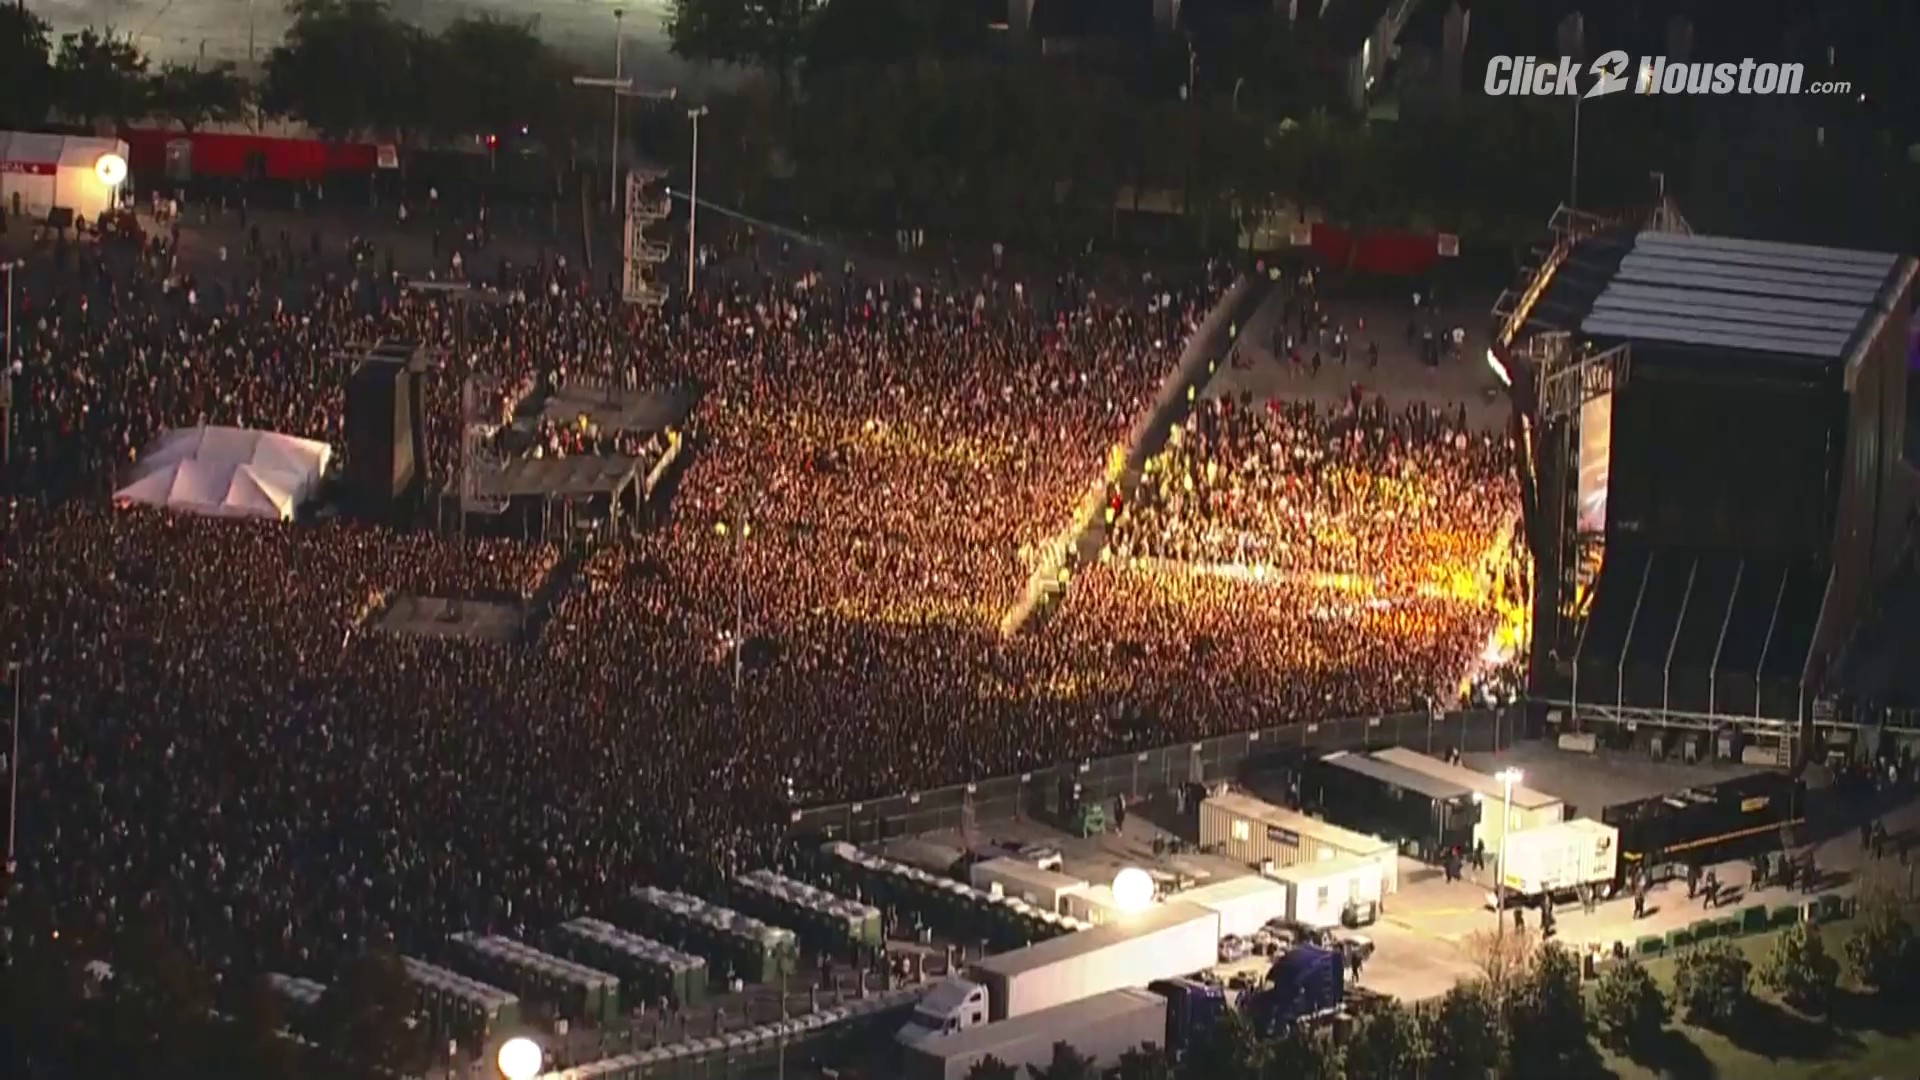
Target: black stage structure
{"points": [[1710, 435]]}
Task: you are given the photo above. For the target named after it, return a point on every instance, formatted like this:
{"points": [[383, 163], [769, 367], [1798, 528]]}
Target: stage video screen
{"points": [[1596, 451]]}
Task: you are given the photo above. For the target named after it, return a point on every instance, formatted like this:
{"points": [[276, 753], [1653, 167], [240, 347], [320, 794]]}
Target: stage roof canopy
{"points": [[1800, 303]]}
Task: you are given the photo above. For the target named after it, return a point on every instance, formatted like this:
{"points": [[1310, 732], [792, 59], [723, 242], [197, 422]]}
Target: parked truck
{"points": [[1163, 942], [1556, 860], [1101, 1027], [1194, 1008], [1307, 983]]}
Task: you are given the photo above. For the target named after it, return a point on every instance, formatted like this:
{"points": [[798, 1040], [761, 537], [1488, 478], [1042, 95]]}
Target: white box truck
{"points": [[1101, 1027], [1164, 942], [1556, 859], [1244, 904]]}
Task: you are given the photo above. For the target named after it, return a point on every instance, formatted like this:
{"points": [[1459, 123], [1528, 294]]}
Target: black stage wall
{"points": [[1724, 464]]}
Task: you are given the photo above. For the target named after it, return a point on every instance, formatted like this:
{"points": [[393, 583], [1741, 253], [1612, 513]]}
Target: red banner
{"points": [[27, 168]]}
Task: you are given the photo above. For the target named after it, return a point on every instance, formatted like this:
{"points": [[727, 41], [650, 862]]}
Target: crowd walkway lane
{"points": [[1206, 352], [1840, 862]]}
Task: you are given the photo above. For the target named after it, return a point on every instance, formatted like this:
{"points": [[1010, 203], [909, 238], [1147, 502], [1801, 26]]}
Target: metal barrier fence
{"points": [[1137, 774]]}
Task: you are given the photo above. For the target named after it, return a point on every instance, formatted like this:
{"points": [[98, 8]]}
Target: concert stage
{"points": [[1712, 449]]}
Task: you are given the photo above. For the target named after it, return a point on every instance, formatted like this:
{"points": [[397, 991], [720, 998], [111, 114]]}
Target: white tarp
{"points": [[227, 472]]}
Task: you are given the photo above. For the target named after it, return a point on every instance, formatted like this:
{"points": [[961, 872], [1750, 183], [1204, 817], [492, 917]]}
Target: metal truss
{"points": [[480, 462], [642, 254], [1569, 383]]}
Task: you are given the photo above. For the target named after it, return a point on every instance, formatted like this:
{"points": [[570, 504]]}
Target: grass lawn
{"points": [[1865, 1039]]}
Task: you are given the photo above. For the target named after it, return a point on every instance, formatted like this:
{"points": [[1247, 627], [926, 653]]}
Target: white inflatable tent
{"points": [[227, 472], [42, 172]]}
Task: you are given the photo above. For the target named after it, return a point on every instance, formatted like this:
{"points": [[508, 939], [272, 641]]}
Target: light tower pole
{"points": [[1508, 779], [693, 200]]}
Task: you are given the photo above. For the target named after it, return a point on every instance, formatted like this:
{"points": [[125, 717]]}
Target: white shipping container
{"points": [[1254, 832], [1096, 905], [1318, 893], [1244, 904], [1166, 941], [1559, 857], [1044, 889], [1101, 1027]]}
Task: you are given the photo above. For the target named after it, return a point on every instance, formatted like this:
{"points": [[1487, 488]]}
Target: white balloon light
{"points": [[1133, 889], [111, 169], [520, 1058]]}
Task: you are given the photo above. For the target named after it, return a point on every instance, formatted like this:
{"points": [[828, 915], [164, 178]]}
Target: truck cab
{"points": [[954, 1004]]}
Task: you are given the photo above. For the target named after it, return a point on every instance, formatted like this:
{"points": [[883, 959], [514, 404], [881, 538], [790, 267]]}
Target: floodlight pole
{"points": [[619, 51], [6, 370], [693, 200], [1507, 778], [13, 772]]}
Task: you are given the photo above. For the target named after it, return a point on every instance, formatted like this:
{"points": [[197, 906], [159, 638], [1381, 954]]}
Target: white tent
{"points": [[42, 172], [227, 472]]}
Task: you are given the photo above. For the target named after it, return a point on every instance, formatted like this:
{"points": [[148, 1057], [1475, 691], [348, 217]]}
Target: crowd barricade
{"points": [[1136, 775]]}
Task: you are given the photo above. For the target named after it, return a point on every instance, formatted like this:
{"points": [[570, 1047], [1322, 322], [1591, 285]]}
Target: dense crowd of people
{"points": [[215, 729]]}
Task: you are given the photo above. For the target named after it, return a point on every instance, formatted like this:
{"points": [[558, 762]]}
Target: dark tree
{"points": [[362, 1018], [98, 76], [770, 34], [1548, 1015], [1387, 1044], [348, 67], [876, 33], [193, 97], [251, 1043], [26, 68], [496, 77], [1465, 1033], [1147, 1062], [1067, 1064], [992, 1068]]}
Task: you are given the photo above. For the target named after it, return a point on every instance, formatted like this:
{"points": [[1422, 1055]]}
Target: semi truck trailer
{"points": [[1166, 941]]}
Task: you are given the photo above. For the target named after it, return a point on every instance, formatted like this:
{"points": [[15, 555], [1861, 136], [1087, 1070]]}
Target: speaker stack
{"points": [[386, 436]]}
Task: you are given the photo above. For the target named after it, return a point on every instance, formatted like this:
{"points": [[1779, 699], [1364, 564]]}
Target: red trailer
{"points": [[181, 155]]}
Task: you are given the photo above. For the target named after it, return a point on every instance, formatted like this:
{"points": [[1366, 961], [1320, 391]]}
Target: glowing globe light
{"points": [[111, 169], [520, 1058], [1133, 890]]}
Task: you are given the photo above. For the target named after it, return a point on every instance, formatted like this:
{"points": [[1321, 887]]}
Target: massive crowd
{"points": [[215, 730]]}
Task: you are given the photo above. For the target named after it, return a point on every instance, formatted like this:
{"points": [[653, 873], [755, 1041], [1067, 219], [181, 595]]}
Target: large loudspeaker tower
{"points": [[386, 442]]}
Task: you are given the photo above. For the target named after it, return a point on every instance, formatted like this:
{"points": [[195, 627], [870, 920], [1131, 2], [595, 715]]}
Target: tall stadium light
{"points": [[520, 1058], [1509, 779], [1133, 890]]}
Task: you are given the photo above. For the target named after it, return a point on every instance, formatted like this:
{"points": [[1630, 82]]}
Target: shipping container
{"points": [[647, 968], [570, 989], [1244, 904], [1427, 815], [1101, 1027], [1163, 942], [1556, 859], [1703, 825], [1531, 809], [1095, 906], [1258, 834], [1044, 889], [1318, 894]]}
